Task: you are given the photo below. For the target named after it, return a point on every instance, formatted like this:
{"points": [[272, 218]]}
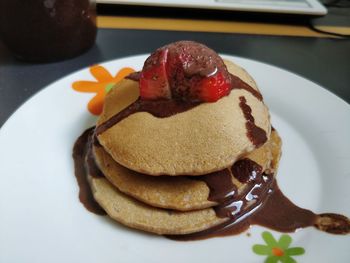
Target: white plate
{"points": [[42, 220]]}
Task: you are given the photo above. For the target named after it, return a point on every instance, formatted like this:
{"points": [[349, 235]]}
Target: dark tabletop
{"points": [[325, 61]]}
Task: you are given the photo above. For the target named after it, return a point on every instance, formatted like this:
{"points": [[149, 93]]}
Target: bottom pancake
{"points": [[136, 214]]}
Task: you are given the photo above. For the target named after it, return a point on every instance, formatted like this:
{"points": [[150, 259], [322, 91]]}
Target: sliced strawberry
{"points": [[186, 71], [211, 89], [153, 80]]}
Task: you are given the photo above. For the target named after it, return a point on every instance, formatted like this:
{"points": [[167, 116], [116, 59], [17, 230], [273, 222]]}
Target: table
{"points": [[317, 57]]}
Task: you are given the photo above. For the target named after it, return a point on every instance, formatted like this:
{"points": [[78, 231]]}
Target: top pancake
{"points": [[206, 138]]}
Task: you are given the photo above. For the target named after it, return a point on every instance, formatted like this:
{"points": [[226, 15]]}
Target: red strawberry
{"points": [[153, 80], [186, 71], [212, 88]]}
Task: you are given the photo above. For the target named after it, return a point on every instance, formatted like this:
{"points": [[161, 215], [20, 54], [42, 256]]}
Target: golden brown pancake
{"points": [[206, 138], [178, 193], [135, 214]]}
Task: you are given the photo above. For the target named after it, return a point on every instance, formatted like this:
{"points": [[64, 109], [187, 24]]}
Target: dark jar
{"points": [[47, 30]]}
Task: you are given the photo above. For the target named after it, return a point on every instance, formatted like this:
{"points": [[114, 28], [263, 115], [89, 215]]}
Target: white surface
{"points": [[306, 7], [42, 220]]}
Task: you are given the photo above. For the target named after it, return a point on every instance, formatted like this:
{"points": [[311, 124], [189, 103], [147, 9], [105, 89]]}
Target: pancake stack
{"points": [[188, 172]]}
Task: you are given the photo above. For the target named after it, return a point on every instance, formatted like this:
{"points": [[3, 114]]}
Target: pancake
{"points": [[204, 139], [135, 214], [179, 193]]}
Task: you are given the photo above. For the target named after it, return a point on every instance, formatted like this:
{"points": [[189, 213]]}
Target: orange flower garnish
{"points": [[105, 82]]}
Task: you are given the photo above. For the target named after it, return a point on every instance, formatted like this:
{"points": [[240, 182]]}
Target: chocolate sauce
{"points": [[246, 170], [270, 207], [252, 196], [231, 203], [158, 108], [79, 153], [237, 83], [255, 134], [277, 212], [237, 207], [333, 223], [222, 190], [90, 163], [280, 214], [220, 185]]}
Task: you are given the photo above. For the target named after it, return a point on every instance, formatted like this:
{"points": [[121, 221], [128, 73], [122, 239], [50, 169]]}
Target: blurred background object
{"points": [[47, 30], [305, 7]]}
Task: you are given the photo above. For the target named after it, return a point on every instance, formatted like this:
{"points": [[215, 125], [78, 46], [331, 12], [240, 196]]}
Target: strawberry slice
{"points": [[153, 80], [211, 89]]}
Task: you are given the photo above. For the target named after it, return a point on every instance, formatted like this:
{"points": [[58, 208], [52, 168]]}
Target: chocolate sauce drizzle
{"points": [[80, 150], [231, 203], [255, 134], [166, 108], [270, 207], [246, 170], [220, 185], [237, 83], [90, 163], [158, 108], [276, 212]]}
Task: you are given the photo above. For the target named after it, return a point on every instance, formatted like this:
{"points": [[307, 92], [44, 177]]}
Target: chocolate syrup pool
{"points": [[271, 208], [80, 152]]}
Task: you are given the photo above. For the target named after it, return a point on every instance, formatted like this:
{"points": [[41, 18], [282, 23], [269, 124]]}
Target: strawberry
{"points": [[153, 80], [186, 71], [211, 89]]}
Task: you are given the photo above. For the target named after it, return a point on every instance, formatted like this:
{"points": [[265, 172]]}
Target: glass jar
{"points": [[47, 30]]}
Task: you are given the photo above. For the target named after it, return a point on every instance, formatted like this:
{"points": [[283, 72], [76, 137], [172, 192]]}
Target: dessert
{"points": [[185, 148]]}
